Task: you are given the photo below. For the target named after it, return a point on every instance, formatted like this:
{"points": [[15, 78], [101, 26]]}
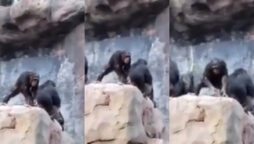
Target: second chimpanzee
{"points": [[141, 77], [119, 62], [27, 84], [48, 99], [86, 69], [240, 87], [177, 85], [214, 72]]}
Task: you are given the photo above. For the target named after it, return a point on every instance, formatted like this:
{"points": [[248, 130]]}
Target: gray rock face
{"points": [[39, 23], [107, 17], [237, 53], [61, 63], [194, 18]]}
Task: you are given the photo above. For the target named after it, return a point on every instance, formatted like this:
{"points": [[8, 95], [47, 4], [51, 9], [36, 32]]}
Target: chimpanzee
{"points": [[48, 99], [141, 77], [27, 84], [214, 72], [119, 62], [240, 87], [86, 69], [176, 84], [174, 73]]}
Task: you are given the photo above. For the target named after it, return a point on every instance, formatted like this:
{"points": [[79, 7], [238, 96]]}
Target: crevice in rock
{"points": [[200, 7], [101, 141], [12, 124], [104, 8], [199, 119]]}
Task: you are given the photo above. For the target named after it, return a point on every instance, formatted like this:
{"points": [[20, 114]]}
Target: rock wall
{"points": [[57, 64], [209, 120], [237, 53], [197, 19], [150, 43], [46, 37]]}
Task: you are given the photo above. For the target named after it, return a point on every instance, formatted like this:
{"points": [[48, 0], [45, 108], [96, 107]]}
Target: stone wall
{"points": [[237, 53], [46, 37]]}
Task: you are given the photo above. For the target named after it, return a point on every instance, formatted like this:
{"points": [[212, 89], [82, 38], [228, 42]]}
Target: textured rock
{"points": [[37, 22], [110, 78], [29, 125], [103, 16], [203, 16], [207, 120], [118, 114]]}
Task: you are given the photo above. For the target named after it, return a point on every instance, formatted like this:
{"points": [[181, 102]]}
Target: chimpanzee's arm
{"points": [[15, 91]]}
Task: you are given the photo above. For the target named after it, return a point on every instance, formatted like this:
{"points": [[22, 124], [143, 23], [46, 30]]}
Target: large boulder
{"points": [[207, 120], [29, 125], [119, 114]]}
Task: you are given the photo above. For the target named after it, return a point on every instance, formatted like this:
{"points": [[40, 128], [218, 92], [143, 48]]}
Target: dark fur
{"points": [[23, 85], [48, 99], [140, 76], [209, 78], [116, 64], [178, 85], [240, 87]]}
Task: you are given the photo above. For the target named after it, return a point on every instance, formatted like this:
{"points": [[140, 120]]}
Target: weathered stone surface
{"points": [[29, 125], [207, 120], [110, 78], [118, 114], [198, 17], [103, 16], [40, 22]]}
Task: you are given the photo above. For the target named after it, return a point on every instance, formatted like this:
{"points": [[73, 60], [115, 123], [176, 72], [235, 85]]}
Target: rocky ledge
{"points": [[29, 125], [107, 17], [197, 18], [119, 114], [209, 120], [38, 22]]}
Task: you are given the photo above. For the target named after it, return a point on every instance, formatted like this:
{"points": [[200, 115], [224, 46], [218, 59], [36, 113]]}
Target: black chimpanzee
{"points": [[141, 77], [48, 99], [27, 84], [177, 86], [240, 87], [119, 62], [86, 69], [214, 72]]}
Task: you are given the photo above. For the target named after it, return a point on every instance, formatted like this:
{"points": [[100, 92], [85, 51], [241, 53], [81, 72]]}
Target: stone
{"points": [[206, 120], [117, 114], [203, 16], [111, 78], [29, 125], [27, 14], [29, 22], [65, 10], [209, 92], [115, 16]]}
